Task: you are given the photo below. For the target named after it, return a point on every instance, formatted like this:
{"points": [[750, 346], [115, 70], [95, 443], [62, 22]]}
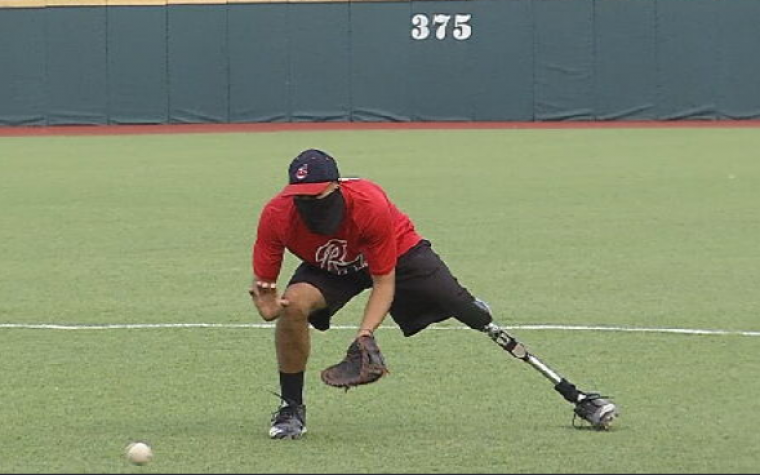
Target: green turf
{"points": [[618, 227]]}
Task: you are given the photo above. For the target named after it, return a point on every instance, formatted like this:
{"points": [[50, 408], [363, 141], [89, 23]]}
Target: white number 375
{"points": [[439, 24]]}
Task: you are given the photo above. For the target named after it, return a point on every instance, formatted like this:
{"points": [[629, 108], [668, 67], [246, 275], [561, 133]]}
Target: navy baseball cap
{"points": [[310, 173]]}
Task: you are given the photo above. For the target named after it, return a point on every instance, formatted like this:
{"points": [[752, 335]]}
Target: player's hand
{"points": [[267, 301]]}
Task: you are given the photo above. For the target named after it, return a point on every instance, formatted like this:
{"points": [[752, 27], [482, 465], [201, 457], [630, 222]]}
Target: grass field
{"points": [[618, 228]]}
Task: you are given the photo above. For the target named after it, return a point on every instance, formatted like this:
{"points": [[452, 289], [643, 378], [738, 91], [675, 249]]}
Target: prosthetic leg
{"points": [[591, 407]]}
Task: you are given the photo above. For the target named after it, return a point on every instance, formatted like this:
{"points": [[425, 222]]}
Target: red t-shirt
{"points": [[373, 234]]}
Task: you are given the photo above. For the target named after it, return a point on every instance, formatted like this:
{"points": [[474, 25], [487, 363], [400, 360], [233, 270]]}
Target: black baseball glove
{"points": [[363, 364]]}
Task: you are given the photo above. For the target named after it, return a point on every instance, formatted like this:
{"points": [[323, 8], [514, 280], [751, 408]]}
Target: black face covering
{"points": [[322, 216]]}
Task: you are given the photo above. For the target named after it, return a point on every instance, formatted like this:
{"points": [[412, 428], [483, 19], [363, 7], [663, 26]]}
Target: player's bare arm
{"points": [[266, 299], [364, 362], [379, 302]]}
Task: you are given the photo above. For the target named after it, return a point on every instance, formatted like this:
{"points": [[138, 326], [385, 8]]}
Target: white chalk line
{"points": [[137, 326]]}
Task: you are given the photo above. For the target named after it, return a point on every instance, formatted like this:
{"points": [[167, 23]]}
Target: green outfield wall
{"points": [[159, 61]]}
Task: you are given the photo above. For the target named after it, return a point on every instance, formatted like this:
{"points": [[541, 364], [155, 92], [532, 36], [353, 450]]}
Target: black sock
{"points": [[291, 385]]}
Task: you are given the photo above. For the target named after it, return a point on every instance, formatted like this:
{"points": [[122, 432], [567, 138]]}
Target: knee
{"points": [[301, 302], [296, 312]]}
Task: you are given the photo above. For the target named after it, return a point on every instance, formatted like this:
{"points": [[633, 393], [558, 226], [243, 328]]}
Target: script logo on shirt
{"points": [[332, 258]]}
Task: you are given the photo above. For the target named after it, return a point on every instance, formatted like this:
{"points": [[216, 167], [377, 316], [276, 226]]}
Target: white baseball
{"points": [[139, 453]]}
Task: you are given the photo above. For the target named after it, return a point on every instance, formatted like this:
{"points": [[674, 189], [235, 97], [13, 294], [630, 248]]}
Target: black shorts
{"points": [[426, 291]]}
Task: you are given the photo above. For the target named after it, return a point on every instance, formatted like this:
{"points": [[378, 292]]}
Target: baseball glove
{"points": [[363, 364], [598, 411]]}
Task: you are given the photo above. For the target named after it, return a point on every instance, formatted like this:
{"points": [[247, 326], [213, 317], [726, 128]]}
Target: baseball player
{"points": [[351, 237]]}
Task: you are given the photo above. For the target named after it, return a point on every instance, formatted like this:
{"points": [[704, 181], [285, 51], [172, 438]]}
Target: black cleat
{"points": [[597, 410], [288, 422]]}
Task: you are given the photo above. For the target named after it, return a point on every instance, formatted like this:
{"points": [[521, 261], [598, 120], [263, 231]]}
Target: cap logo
{"points": [[302, 172]]}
